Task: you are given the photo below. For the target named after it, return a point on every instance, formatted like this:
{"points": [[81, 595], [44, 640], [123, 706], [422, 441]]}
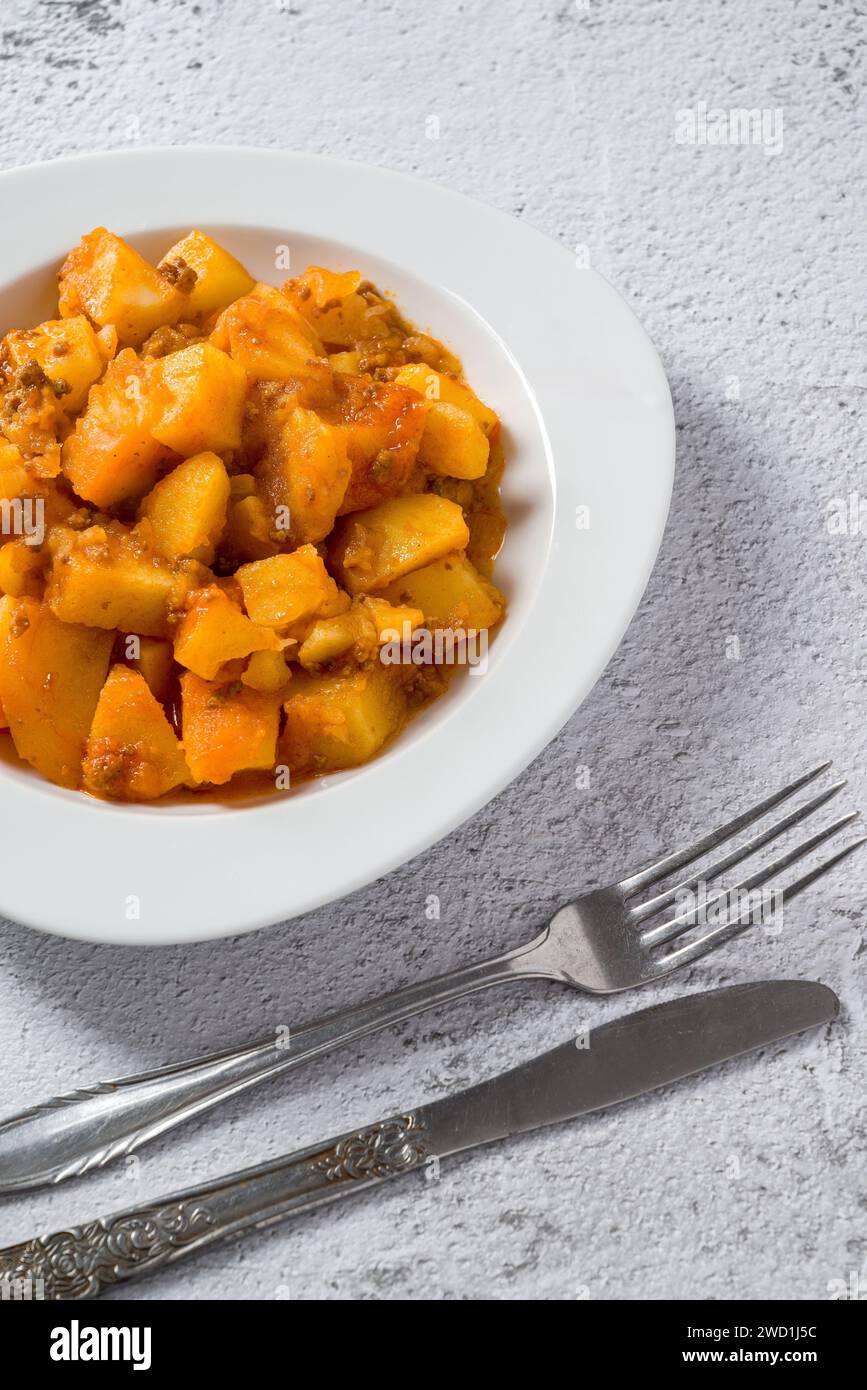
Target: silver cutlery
{"points": [[635, 1054], [606, 940]]}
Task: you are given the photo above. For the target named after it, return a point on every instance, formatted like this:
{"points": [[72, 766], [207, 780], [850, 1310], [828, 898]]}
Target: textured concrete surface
{"points": [[747, 265]]}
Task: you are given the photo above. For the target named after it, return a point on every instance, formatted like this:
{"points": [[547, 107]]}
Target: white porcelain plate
{"points": [[589, 438]]}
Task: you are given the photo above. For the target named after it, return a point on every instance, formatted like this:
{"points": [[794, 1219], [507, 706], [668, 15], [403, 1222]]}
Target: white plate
{"points": [[589, 425]]}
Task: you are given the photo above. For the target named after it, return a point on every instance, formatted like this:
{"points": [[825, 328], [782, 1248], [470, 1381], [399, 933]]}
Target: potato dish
{"points": [[220, 501]]}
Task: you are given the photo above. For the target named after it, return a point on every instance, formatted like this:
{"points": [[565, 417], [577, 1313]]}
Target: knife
{"points": [[618, 1061]]}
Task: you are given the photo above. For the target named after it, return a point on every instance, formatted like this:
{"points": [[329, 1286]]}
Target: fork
{"points": [[602, 942]]}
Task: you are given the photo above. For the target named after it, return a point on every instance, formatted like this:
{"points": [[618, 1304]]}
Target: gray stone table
{"points": [[747, 265]]}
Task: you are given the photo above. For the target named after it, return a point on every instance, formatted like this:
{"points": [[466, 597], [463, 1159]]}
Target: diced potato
{"points": [[111, 283], [326, 286], [389, 618], [156, 663], [287, 588], [215, 631], [453, 443], [383, 425], [187, 509], [132, 753], [339, 721], [29, 502], [107, 342], [341, 316], [227, 728], [451, 594], [250, 531], [32, 419], [267, 338], [346, 322], [46, 462], [348, 363], [268, 294], [51, 674], [112, 456], [69, 353], [306, 471], [112, 579], [30, 505], [199, 400], [16, 479], [371, 549], [361, 630], [435, 386], [330, 638], [267, 671], [219, 277], [22, 569]]}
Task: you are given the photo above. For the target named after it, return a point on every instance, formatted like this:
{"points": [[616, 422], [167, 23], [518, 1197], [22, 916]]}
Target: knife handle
{"points": [[85, 1260], [72, 1134]]}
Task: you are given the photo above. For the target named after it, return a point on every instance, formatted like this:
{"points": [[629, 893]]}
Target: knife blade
{"points": [[636, 1053], [631, 1056]]}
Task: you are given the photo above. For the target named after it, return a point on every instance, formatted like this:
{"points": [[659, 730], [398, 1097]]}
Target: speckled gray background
{"points": [[747, 268]]}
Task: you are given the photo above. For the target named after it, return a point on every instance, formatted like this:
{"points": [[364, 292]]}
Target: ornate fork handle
{"points": [[74, 1133], [85, 1260]]}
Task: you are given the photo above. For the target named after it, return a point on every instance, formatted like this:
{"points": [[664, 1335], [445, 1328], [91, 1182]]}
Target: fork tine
{"points": [[652, 873], [807, 879], [676, 926], [653, 905], [694, 950]]}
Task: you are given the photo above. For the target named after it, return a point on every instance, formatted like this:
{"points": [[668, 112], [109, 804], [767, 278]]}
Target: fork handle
{"points": [[71, 1134]]}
